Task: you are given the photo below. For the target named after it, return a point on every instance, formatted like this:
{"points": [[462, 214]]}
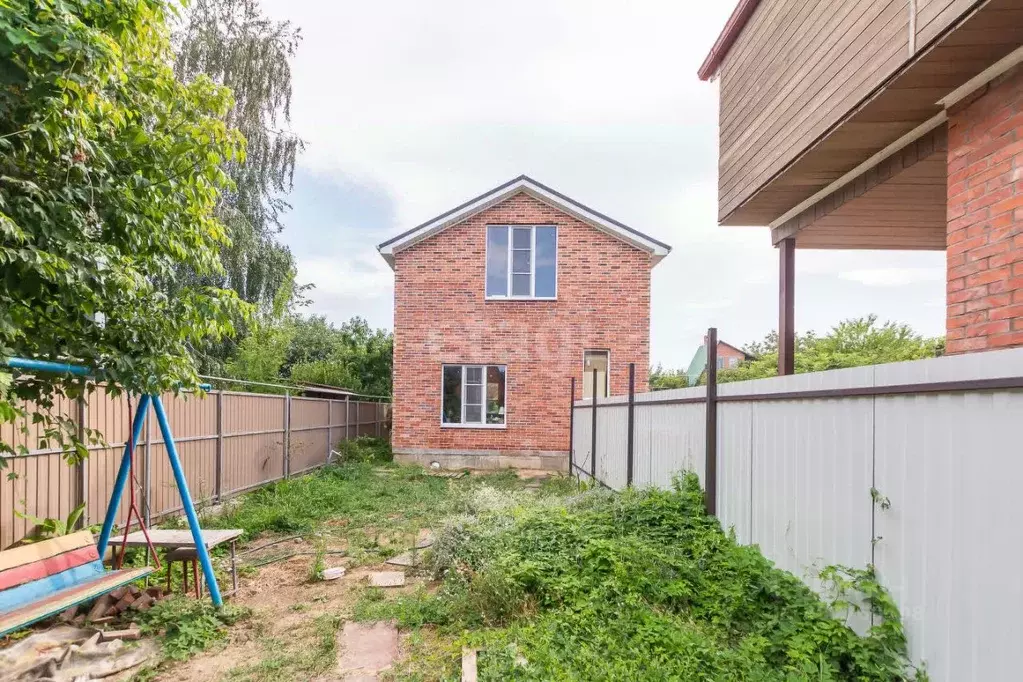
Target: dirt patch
{"points": [[284, 605], [282, 600]]}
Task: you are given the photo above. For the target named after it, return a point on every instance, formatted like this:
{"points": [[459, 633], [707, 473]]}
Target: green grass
{"points": [[377, 506], [635, 586]]}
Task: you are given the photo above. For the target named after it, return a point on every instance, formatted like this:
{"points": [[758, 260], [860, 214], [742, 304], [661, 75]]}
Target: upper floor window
{"points": [[522, 261]]}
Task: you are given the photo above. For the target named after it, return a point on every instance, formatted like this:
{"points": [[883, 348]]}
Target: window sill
{"points": [[499, 427], [520, 298]]}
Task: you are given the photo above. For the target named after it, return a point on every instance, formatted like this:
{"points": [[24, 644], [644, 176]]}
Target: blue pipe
{"points": [[122, 477], [64, 368], [186, 502], [47, 366]]}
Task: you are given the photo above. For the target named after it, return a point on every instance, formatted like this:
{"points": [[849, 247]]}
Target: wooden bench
{"points": [[45, 578]]}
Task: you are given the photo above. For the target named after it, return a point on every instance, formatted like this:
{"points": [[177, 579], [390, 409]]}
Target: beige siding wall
{"points": [[799, 68]]}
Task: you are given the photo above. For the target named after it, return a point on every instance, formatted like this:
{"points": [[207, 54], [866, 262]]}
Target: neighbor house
{"points": [[728, 357], [498, 304], [881, 124]]}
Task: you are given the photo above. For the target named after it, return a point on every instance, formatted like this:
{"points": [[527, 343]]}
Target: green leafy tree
{"points": [[359, 358], [232, 43], [662, 379], [851, 343], [110, 173]]}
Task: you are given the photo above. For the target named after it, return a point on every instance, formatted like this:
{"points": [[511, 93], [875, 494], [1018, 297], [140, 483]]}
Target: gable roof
{"points": [[729, 34], [699, 362], [527, 185]]}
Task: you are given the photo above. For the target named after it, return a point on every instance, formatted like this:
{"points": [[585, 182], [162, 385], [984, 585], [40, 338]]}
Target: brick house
{"points": [[728, 357], [497, 304], [881, 124]]}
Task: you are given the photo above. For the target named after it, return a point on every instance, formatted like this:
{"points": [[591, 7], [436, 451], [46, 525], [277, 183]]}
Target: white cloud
{"points": [[436, 102], [894, 277], [363, 275]]}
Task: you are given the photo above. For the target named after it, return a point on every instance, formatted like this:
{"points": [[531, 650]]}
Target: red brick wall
{"points": [[440, 316], [985, 218], [726, 352]]}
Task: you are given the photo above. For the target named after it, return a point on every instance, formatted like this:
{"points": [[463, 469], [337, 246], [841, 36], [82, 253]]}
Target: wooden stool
{"points": [[186, 555]]}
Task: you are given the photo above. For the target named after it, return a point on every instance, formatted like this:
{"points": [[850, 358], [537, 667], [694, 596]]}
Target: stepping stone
{"points": [[387, 579], [425, 539], [333, 573], [408, 559], [469, 665], [368, 649]]}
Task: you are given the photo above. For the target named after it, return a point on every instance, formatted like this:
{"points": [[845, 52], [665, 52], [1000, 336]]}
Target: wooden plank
{"points": [[903, 107], [837, 90], [19, 575], [183, 538], [762, 49], [78, 594], [762, 80], [934, 16], [15, 597], [797, 76], [38, 551]]}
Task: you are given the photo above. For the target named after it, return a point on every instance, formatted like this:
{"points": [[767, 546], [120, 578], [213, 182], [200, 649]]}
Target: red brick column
{"points": [[985, 218]]}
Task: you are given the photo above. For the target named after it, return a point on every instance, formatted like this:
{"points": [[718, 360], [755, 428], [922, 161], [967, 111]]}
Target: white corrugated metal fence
{"points": [[795, 475]]}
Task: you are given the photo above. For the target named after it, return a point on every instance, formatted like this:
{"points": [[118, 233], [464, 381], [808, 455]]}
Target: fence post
{"points": [[593, 431], [571, 426], [348, 416], [219, 480], [376, 413], [326, 459], [82, 493], [632, 408], [711, 465], [287, 434]]}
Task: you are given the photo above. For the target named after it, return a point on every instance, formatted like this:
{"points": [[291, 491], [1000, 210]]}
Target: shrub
{"points": [[644, 585], [365, 449]]}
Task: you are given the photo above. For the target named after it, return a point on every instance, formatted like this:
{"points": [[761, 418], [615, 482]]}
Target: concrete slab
{"points": [[407, 559], [425, 539], [387, 579], [368, 649], [469, 665]]}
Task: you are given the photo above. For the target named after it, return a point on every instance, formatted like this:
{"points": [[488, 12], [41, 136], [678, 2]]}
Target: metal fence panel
{"points": [[735, 461], [798, 476], [951, 541], [581, 440], [229, 442], [677, 441], [612, 437], [811, 480]]}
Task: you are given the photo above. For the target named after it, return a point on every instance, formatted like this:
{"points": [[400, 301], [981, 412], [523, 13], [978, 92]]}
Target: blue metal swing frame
{"points": [[145, 402]]}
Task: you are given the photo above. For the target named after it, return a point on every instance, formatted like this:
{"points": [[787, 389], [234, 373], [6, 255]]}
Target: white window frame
{"points": [[532, 265], [588, 377], [483, 415]]}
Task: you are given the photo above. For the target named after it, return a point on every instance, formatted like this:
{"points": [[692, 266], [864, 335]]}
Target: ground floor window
{"points": [[473, 395], [596, 361]]}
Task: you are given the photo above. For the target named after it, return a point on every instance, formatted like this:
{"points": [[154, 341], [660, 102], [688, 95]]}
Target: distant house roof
{"points": [[633, 237], [729, 34], [699, 362]]}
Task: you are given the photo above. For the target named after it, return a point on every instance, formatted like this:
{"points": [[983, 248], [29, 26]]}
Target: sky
{"points": [[409, 108]]}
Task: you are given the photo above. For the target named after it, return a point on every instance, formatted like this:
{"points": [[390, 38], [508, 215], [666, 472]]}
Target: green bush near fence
{"points": [[365, 449], [640, 585]]}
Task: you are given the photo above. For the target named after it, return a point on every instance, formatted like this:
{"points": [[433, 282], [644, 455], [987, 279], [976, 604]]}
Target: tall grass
{"points": [[639, 586]]}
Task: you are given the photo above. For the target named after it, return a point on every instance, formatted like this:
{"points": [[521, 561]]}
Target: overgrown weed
{"points": [[639, 585], [188, 626]]}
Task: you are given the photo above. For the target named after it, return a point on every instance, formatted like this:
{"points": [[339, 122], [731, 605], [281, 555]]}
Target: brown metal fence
{"points": [[228, 441]]}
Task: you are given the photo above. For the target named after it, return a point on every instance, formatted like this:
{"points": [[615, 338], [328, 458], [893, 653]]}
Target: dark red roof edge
{"points": [[742, 13]]}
